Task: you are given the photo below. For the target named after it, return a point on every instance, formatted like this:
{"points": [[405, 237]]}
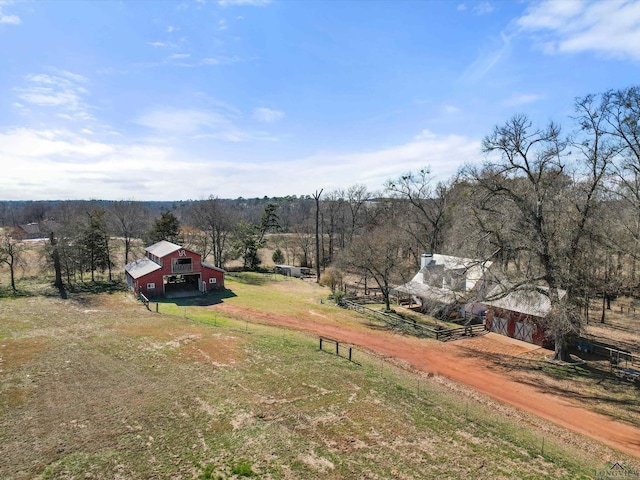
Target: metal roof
{"points": [[213, 267], [141, 267], [530, 301], [163, 248]]}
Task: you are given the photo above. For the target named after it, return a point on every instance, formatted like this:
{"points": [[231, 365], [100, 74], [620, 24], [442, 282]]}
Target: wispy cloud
{"points": [[83, 166], [254, 3], [483, 8], [63, 91], [267, 115], [488, 59], [450, 109], [219, 122], [161, 44], [610, 27], [8, 19], [521, 99], [178, 56]]}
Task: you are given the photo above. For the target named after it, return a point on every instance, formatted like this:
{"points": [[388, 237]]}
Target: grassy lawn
{"points": [[97, 387]]}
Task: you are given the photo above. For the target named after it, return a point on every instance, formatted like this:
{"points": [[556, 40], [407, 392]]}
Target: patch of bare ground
{"points": [[490, 374], [120, 392], [622, 324]]}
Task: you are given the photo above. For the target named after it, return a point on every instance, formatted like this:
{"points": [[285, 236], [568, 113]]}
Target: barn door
{"points": [[499, 325], [524, 332]]}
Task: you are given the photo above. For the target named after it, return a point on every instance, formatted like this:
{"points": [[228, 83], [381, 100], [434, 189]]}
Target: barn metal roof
{"points": [[141, 267], [163, 248], [208, 265], [532, 301]]}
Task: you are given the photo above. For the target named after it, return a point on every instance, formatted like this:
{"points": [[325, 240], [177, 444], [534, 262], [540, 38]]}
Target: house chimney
{"points": [[425, 259]]}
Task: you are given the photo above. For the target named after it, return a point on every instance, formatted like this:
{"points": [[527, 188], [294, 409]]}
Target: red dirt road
{"points": [[453, 361]]}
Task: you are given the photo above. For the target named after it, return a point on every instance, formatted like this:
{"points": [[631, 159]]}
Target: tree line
{"points": [[552, 209]]}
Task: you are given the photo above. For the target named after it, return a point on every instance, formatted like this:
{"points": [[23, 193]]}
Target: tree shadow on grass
{"points": [[98, 287], [205, 300]]}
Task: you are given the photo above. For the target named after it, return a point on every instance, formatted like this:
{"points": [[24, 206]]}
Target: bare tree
{"points": [[427, 207], [547, 213], [378, 253], [129, 220], [316, 197], [11, 252]]}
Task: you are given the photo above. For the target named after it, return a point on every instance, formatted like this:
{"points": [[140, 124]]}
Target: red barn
{"points": [[520, 315], [171, 269]]}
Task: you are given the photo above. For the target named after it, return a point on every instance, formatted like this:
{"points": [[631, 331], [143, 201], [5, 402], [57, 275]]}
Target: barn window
{"points": [[181, 265], [212, 280], [151, 286]]}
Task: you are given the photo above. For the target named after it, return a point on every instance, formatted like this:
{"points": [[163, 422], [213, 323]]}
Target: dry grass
{"points": [[102, 388]]}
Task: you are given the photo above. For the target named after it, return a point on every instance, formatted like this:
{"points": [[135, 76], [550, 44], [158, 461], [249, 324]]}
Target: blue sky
{"points": [[179, 100]]}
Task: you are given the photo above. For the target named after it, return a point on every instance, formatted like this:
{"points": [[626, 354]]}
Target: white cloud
{"points": [[461, 7], [450, 109], [254, 3], [8, 19], [222, 25], [609, 27], [488, 59], [62, 92], [267, 115], [177, 56], [171, 29], [182, 122], [161, 44], [483, 8], [58, 164], [521, 99]]}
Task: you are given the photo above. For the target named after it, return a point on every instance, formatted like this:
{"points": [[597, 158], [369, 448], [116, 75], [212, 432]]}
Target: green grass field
{"points": [[97, 387]]}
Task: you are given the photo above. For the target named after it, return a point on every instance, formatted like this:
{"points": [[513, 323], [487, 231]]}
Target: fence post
{"points": [[337, 348], [157, 307], [349, 353], [320, 343]]}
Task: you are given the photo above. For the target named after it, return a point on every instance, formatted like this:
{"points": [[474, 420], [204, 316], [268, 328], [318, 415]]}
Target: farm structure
{"points": [[520, 314], [291, 271], [169, 269], [448, 285]]}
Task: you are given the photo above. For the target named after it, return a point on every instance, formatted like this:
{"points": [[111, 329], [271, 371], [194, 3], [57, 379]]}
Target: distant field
{"points": [[97, 387]]}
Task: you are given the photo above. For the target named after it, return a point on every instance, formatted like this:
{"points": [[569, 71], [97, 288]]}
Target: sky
{"points": [[167, 100]]}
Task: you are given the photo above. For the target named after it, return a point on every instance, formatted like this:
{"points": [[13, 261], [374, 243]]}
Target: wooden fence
{"points": [[324, 340], [144, 300], [616, 356], [413, 327]]}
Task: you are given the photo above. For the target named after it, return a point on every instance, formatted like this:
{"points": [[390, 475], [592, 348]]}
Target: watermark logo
{"points": [[617, 471]]}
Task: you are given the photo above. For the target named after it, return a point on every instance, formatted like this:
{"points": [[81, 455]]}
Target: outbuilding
{"points": [[521, 314], [169, 269]]}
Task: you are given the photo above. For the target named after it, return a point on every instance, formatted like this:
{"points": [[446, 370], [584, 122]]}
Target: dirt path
{"points": [[453, 361]]}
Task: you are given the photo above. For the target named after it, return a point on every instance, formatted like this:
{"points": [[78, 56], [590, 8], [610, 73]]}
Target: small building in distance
{"points": [[291, 271], [520, 314], [172, 270]]}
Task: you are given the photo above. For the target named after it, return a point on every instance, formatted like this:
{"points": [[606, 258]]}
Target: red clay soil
{"points": [[452, 360]]}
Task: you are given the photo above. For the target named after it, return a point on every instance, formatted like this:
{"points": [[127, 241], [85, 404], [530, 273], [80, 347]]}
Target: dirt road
{"points": [[453, 361]]}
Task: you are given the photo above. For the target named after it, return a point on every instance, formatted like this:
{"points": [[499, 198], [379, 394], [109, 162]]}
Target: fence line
{"points": [[598, 348], [144, 300], [412, 326], [324, 339]]}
